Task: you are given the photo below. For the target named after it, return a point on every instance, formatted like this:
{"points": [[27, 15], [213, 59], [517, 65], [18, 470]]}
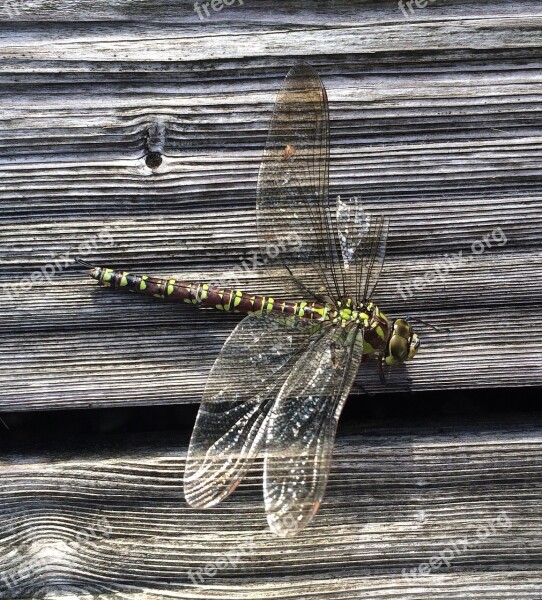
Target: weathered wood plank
{"points": [[257, 12], [179, 42], [108, 357], [108, 517]]}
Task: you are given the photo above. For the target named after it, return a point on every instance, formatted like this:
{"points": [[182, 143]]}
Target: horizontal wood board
{"points": [[105, 518]]}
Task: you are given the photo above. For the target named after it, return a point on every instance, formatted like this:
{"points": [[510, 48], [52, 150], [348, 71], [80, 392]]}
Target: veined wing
{"points": [[362, 239], [295, 225], [302, 426], [242, 386]]}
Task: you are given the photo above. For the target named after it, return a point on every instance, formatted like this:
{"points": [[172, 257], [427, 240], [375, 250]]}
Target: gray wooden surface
{"points": [[436, 120], [108, 520]]}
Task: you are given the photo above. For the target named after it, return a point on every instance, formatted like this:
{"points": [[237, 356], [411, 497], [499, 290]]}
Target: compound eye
{"points": [[402, 328], [399, 348]]}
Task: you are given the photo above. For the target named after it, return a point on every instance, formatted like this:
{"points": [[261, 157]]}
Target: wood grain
{"points": [[101, 517], [436, 121]]}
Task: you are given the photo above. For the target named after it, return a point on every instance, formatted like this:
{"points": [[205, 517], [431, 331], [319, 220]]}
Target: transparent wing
{"points": [[243, 384], [362, 239], [295, 226], [301, 428]]}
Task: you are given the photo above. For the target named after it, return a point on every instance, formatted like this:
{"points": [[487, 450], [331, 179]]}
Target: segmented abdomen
{"points": [[205, 295]]}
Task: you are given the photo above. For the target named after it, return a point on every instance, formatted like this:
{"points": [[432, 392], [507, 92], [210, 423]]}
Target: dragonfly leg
{"points": [[380, 367]]}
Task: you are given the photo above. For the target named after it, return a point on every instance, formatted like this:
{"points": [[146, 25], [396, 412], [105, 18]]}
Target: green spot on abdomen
{"points": [[237, 298], [204, 292]]}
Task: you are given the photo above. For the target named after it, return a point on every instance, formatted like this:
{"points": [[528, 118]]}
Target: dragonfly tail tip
{"points": [[82, 262]]}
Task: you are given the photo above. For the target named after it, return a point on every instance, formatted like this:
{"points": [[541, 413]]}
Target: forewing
{"points": [[242, 386], [294, 218], [302, 426], [362, 239]]}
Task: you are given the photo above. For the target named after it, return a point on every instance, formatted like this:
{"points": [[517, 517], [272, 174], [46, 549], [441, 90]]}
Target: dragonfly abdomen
{"points": [[229, 300]]}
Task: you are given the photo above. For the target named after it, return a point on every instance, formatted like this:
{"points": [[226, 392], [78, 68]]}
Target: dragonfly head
{"points": [[403, 343]]}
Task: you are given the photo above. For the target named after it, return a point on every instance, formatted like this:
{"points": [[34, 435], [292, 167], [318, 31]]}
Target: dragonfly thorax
{"points": [[348, 312], [376, 326]]}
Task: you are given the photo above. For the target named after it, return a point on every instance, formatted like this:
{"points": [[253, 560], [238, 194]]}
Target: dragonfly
{"points": [[281, 379]]}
